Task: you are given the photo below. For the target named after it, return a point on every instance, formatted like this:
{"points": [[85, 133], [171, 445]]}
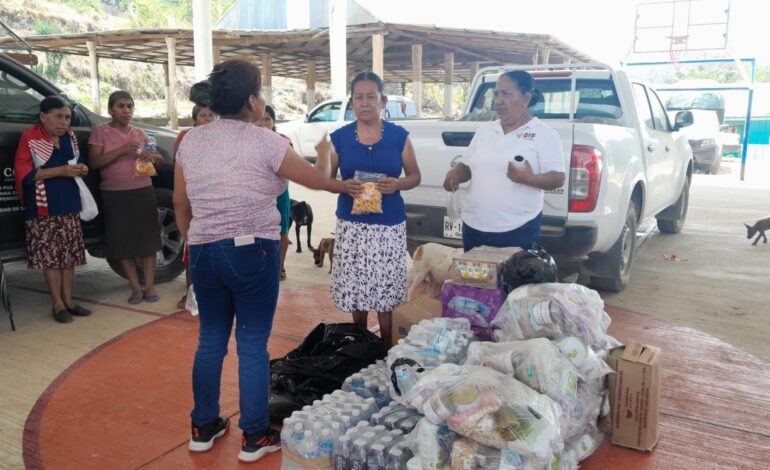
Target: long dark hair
{"points": [[525, 84], [229, 86]]}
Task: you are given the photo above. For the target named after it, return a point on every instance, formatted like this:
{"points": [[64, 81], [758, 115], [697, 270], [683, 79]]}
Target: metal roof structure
{"points": [[291, 50]]}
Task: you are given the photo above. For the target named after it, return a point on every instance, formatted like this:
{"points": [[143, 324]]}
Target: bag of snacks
{"points": [[144, 168], [370, 201]]}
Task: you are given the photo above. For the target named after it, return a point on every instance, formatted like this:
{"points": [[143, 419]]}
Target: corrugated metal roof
{"points": [[272, 14], [255, 14]]}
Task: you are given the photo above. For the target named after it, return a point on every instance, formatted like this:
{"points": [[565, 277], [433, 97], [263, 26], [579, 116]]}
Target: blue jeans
{"points": [[229, 279], [522, 237]]}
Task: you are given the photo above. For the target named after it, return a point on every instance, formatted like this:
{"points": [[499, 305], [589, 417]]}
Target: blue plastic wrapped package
{"points": [[479, 305]]}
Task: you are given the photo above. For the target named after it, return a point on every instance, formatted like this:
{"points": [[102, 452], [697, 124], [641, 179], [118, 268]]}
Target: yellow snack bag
{"points": [[370, 201], [144, 168]]}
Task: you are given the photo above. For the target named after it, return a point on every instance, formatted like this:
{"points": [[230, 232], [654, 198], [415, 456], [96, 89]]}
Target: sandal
{"points": [[63, 316], [283, 274], [182, 302], [151, 298], [135, 299]]}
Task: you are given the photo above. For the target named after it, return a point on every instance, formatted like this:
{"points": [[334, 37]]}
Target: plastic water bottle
{"points": [[376, 460], [341, 453], [326, 444], [308, 448], [357, 459], [151, 144], [395, 459]]}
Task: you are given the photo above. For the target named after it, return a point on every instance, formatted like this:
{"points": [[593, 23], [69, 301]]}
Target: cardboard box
{"points": [[481, 266], [410, 313], [635, 395]]}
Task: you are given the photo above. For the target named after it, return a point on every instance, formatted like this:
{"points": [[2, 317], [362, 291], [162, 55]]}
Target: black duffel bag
{"points": [[327, 356]]}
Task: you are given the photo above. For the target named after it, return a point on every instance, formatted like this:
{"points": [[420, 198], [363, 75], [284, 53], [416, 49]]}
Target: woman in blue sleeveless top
{"points": [[369, 271]]}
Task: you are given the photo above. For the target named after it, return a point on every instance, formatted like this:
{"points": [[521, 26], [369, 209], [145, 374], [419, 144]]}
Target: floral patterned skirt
{"points": [[55, 242], [369, 269]]}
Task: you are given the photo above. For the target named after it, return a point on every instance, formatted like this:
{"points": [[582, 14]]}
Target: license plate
{"points": [[453, 229]]}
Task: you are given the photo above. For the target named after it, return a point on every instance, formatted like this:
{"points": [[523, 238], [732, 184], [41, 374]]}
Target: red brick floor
{"points": [[126, 404]]}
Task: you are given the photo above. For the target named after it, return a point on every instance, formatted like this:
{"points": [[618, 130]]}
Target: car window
{"points": [[643, 105], [399, 109], [595, 98], [326, 113], [18, 101], [659, 115]]}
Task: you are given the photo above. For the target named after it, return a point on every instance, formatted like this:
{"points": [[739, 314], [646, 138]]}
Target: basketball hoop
{"points": [[677, 45]]}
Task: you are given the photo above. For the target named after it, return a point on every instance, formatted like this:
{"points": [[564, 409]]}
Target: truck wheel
{"points": [[676, 214], [620, 258], [172, 246]]}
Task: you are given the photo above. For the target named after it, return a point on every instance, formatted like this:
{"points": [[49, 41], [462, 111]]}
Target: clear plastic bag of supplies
{"points": [[552, 311], [539, 364], [470, 455], [191, 304], [491, 408], [370, 201], [430, 343]]}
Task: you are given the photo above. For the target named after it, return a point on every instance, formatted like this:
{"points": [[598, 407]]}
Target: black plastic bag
{"points": [[326, 357], [533, 266]]}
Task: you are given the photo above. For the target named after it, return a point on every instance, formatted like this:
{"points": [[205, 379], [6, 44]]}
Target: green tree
{"points": [[53, 60]]}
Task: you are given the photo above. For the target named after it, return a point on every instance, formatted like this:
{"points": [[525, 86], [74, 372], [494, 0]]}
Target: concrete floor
{"points": [[722, 290]]}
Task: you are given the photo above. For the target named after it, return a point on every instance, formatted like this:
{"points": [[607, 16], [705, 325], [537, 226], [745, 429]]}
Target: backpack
{"points": [[326, 357]]}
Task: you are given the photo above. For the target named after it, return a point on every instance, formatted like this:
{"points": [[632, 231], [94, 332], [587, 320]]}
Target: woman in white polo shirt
{"points": [[504, 203]]}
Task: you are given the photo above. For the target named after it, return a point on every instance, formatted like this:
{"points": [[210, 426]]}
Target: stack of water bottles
{"points": [[371, 447], [397, 416], [430, 343], [371, 382], [308, 436]]}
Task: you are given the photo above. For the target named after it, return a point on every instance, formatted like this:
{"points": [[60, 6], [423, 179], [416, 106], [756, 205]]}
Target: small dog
{"points": [[760, 227], [301, 214], [431, 265], [325, 246]]}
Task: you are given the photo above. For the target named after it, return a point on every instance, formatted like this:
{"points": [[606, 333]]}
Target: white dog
{"points": [[431, 266]]}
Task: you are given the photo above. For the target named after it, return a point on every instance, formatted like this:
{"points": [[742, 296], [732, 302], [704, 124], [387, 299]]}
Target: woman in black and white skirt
{"points": [[369, 271]]}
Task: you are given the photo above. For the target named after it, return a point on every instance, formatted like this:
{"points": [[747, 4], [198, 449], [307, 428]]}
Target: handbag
{"points": [[89, 209]]}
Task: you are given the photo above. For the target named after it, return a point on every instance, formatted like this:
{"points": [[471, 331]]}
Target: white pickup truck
{"points": [[626, 164], [326, 117]]}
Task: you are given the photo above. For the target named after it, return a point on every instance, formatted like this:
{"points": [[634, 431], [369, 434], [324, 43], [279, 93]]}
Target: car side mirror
{"points": [[307, 118], [683, 119]]}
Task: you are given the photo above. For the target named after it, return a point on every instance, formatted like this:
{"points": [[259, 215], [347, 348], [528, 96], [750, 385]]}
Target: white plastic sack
{"points": [[89, 210], [191, 305]]}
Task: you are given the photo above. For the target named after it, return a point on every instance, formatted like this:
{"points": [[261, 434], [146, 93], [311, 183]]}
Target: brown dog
{"points": [[326, 246]]}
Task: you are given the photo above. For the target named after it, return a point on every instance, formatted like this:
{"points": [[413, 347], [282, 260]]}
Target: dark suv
{"points": [[21, 91]]}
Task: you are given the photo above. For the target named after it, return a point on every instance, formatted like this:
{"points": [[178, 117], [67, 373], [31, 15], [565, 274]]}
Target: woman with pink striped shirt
{"points": [[227, 178]]}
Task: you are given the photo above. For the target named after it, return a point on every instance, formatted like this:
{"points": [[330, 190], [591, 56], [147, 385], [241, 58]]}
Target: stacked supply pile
{"points": [[531, 400]]}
